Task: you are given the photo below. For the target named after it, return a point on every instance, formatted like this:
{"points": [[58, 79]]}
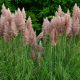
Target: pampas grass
{"points": [[52, 55]]}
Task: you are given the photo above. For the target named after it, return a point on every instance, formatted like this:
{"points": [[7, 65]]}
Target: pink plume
{"points": [[59, 12], [76, 27], [19, 19], [46, 26], [76, 12], [54, 36], [24, 13], [68, 23], [13, 26]]}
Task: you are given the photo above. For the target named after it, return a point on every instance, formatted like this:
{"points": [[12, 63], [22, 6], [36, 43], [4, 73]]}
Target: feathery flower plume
{"points": [[6, 34], [2, 23], [9, 15], [61, 25], [63, 21], [19, 19], [29, 24], [9, 11], [53, 22], [31, 32], [76, 27], [59, 12], [76, 11], [6, 12], [26, 35], [14, 30], [56, 23], [79, 14], [68, 23], [46, 26], [54, 36], [23, 13]]}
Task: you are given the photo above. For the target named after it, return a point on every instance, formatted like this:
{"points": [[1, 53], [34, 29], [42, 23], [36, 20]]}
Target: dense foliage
{"points": [[38, 9]]}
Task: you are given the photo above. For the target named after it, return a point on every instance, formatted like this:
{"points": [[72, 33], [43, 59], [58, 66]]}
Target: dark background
{"points": [[39, 9]]}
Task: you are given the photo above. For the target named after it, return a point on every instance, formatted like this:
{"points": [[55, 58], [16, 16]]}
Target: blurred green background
{"points": [[39, 9]]}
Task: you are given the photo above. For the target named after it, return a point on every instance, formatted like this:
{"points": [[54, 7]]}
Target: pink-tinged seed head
{"points": [[13, 26], [46, 26], [24, 13], [54, 37], [75, 11], [63, 21], [26, 36], [29, 23], [31, 33], [56, 23], [6, 32], [20, 20], [4, 11], [59, 12], [2, 23], [68, 23], [76, 27], [9, 11]]}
